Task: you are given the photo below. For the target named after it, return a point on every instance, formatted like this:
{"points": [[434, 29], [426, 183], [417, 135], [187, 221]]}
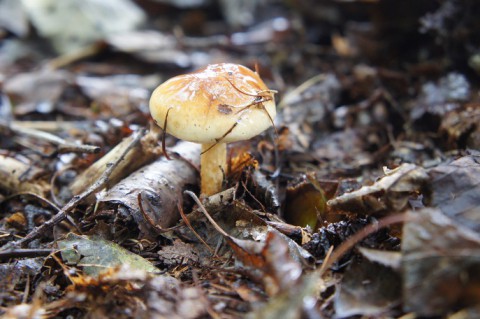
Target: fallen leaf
{"points": [[97, 255], [440, 264], [59, 21], [392, 191], [38, 90], [455, 189], [291, 303], [391, 259], [367, 289], [305, 204], [268, 255], [150, 46]]}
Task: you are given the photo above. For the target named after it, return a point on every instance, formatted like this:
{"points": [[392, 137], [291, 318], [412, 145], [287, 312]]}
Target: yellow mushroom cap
{"points": [[226, 102]]}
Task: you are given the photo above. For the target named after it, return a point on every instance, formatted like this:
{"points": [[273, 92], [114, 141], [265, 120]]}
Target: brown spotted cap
{"points": [[223, 102]]}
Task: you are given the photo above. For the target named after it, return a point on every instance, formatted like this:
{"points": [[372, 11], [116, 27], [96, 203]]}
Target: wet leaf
{"points": [[269, 31], [267, 255], [305, 204], [121, 94], [455, 189], [269, 262], [38, 90], [97, 255], [311, 101], [367, 289], [439, 251]]}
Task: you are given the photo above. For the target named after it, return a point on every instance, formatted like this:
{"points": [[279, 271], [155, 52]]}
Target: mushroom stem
{"points": [[213, 165]]}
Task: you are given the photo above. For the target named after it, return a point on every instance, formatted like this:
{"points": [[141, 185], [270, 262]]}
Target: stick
{"points": [[76, 200], [63, 145], [53, 126], [21, 253], [204, 211]]}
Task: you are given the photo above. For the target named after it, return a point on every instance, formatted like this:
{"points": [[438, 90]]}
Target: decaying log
{"points": [[159, 186], [19, 177], [146, 151]]}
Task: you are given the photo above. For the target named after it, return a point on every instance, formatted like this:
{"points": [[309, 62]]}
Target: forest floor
{"points": [[363, 200]]}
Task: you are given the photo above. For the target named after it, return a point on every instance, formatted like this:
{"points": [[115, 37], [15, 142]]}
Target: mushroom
{"points": [[218, 104]]}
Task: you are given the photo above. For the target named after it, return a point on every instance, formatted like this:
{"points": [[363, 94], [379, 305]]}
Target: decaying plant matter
{"points": [[344, 200]]}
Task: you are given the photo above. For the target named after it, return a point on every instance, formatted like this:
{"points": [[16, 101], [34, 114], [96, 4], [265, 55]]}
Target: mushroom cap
{"points": [[220, 103]]}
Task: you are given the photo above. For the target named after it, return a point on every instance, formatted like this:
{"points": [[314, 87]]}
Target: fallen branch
{"points": [[158, 187]]}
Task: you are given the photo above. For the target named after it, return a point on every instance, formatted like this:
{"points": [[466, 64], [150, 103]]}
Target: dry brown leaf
{"points": [[392, 191]]}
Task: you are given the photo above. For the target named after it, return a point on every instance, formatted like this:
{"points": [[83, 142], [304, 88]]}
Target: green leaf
{"points": [[96, 255]]}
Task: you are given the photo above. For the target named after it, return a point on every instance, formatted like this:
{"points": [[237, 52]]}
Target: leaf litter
{"points": [[367, 190]]}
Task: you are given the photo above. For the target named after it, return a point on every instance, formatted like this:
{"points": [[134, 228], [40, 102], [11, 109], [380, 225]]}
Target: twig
{"points": [[69, 58], [187, 222], [26, 292], [204, 211], [253, 197], [52, 183], [53, 126], [76, 200], [63, 145], [21, 253], [302, 88]]}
